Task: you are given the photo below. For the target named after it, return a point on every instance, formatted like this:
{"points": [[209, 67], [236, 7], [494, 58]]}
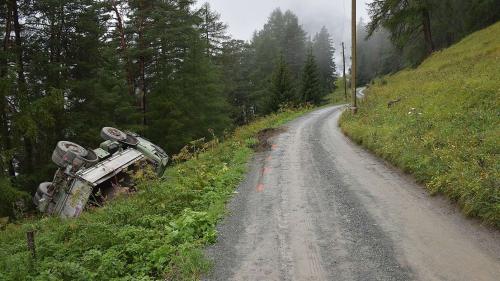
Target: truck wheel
{"points": [[41, 192], [64, 147], [113, 134], [66, 151], [91, 158], [58, 160]]}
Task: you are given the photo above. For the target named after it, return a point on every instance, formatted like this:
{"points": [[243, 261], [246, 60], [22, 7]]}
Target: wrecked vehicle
{"points": [[90, 177]]}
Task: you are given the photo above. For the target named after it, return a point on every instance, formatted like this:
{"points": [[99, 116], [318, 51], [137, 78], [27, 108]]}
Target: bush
{"points": [[12, 201]]}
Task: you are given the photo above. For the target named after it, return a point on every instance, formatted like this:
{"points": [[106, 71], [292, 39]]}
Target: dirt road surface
{"points": [[318, 207]]}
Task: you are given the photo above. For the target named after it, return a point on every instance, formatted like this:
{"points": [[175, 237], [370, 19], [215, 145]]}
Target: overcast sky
{"points": [[245, 16]]}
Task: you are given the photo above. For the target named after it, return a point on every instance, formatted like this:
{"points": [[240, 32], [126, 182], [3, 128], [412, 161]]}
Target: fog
{"points": [[244, 17]]}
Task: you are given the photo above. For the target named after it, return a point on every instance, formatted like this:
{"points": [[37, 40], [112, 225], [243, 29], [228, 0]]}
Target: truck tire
{"points": [[91, 158], [113, 134], [58, 159], [64, 147], [41, 192], [66, 151]]}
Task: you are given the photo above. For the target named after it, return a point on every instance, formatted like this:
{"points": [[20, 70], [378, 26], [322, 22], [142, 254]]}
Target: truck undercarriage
{"points": [[91, 177]]}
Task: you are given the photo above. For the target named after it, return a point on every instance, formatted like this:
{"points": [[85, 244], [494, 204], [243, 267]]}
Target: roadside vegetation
{"points": [[158, 233], [338, 96], [445, 128], [167, 70]]}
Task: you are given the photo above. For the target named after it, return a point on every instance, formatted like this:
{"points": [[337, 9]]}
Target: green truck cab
{"points": [[93, 176]]}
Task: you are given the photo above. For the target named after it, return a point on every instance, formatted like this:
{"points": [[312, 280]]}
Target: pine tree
{"points": [[404, 18], [185, 107], [212, 30], [283, 36], [235, 62], [323, 52], [282, 88], [311, 91], [294, 44]]}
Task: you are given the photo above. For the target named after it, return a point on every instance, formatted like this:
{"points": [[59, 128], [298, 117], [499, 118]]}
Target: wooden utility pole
{"points": [[353, 66], [343, 69]]}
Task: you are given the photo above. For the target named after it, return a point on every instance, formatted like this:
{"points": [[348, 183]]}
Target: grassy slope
{"points": [[156, 234], [338, 96], [445, 131]]}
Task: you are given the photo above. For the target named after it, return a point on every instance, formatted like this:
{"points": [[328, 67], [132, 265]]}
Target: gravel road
{"points": [[318, 207]]}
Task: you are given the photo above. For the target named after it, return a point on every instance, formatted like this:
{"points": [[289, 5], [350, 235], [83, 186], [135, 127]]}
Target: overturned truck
{"points": [[90, 177]]}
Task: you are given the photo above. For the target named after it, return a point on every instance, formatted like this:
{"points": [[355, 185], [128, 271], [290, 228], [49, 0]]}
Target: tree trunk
{"points": [[7, 144], [8, 28], [427, 30], [142, 70], [123, 46], [207, 34], [19, 47], [143, 89], [21, 80]]}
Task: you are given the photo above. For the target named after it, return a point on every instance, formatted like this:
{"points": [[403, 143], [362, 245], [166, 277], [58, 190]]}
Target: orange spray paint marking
{"points": [[274, 146], [260, 187]]}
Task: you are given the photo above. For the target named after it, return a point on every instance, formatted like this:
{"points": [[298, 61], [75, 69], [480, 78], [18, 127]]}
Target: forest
{"points": [[169, 70], [165, 69]]}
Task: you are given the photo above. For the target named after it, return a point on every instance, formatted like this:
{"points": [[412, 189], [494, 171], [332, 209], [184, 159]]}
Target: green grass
{"points": [[338, 96], [157, 234], [446, 129]]}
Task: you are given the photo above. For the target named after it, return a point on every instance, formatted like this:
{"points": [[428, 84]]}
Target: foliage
{"points": [[419, 27], [376, 55], [165, 69], [10, 197], [311, 91], [156, 234], [283, 89], [323, 51], [213, 30], [283, 39], [445, 128], [339, 95]]}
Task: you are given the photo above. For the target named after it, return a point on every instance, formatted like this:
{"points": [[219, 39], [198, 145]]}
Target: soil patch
{"points": [[263, 137]]}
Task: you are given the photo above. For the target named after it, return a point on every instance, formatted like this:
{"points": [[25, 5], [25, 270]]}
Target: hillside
{"points": [[156, 234], [445, 130]]}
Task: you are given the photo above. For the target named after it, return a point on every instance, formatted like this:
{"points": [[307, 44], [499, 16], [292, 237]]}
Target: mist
{"points": [[244, 17]]}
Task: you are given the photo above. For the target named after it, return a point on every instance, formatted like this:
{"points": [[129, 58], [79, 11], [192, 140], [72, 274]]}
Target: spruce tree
{"points": [[281, 35], [212, 29], [311, 84], [323, 51], [282, 87], [294, 44]]}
